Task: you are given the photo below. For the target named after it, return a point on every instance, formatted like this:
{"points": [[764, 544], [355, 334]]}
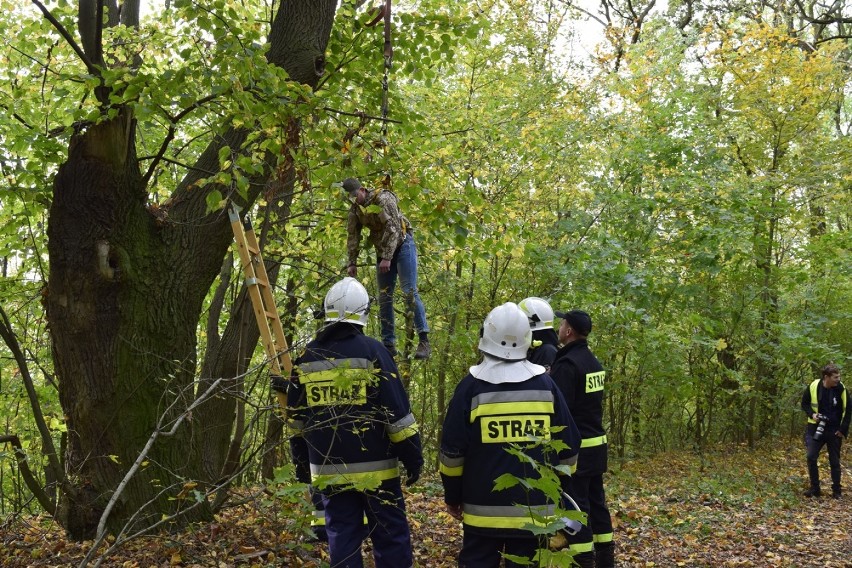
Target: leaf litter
{"points": [[737, 508]]}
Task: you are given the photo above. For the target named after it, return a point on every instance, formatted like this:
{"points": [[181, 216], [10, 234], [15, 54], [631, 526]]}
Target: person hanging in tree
{"points": [[393, 238]]}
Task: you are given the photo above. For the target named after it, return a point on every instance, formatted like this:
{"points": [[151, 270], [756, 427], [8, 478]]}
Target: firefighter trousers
{"points": [[480, 551], [387, 526], [589, 493]]}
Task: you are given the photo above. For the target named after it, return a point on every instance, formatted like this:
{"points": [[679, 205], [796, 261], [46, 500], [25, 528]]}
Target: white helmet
{"points": [[539, 313], [347, 301], [506, 333]]}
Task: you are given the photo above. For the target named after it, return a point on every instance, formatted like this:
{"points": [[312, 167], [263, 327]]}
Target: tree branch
{"points": [[92, 68], [822, 21], [159, 431], [29, 479], [14, 346], [173, 120]]}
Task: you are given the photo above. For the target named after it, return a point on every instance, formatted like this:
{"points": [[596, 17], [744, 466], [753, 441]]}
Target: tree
{"points": [[128, 276]]}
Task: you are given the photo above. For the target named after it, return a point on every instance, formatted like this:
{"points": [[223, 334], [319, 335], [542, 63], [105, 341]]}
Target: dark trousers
{"points": [[387, 527], [833, 443], [588, 492], [480, 551]]}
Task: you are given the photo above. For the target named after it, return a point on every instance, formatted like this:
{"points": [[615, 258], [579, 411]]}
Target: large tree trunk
{"points": [[124, 300], [120, 306]]}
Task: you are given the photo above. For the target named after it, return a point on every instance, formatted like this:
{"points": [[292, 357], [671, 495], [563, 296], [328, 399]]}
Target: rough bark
{"points": [[124, 299]]}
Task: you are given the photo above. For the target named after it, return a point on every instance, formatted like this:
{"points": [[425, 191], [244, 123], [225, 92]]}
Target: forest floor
{"points": [[740, 508]]}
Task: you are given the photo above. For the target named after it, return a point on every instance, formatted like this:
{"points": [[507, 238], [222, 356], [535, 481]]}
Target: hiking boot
{"points": [[836, 494], [423, 350], [813, 492], [391, 349]]}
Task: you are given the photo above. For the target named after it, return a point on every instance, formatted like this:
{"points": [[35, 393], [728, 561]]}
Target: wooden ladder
{"points": [[265, 311]]}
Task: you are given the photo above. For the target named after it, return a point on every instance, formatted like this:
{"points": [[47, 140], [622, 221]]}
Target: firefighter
{"points": [[393, 238], [545, 342], [826, 405], [345, 398], [504, 401], [580, 377]]}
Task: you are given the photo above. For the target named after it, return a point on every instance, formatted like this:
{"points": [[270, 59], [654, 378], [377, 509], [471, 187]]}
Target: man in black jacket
{"points": [[580, 377], [827, 408]]}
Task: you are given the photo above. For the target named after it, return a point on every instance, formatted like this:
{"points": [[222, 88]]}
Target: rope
{"points": [[388, 54], [388, 63]]}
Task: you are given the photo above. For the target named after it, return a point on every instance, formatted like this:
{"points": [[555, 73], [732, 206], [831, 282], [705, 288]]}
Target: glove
{"points": [[409, 453], [413, 474], [299, 454], [279, 383]]}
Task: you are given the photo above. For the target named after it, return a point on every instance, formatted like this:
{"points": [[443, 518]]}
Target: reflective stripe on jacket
{"points": [[810, 404], [483, 421], [581, 378], [345, 398]]}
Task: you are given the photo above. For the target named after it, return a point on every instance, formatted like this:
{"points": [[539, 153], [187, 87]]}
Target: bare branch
{"points": [[826, 19]]}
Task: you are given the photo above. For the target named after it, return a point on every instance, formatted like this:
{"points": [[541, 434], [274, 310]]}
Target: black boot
{"points": [[604, 555], [813, 492], [585, 559]]}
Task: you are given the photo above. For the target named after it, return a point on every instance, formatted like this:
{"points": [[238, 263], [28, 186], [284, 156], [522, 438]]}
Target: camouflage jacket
{"points": [[386, 222]]}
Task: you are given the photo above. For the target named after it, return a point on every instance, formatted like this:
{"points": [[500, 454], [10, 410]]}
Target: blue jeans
{"points": [[404, 265]]}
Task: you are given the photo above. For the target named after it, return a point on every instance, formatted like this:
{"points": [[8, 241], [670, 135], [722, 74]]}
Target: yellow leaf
{"points": [[721, 345]]}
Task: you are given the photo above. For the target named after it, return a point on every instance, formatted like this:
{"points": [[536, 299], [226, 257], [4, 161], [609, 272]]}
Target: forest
{"points": [[680, 170]]}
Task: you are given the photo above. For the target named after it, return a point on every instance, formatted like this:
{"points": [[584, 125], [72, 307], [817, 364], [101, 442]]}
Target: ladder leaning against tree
{"points": [[265, 312]]}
